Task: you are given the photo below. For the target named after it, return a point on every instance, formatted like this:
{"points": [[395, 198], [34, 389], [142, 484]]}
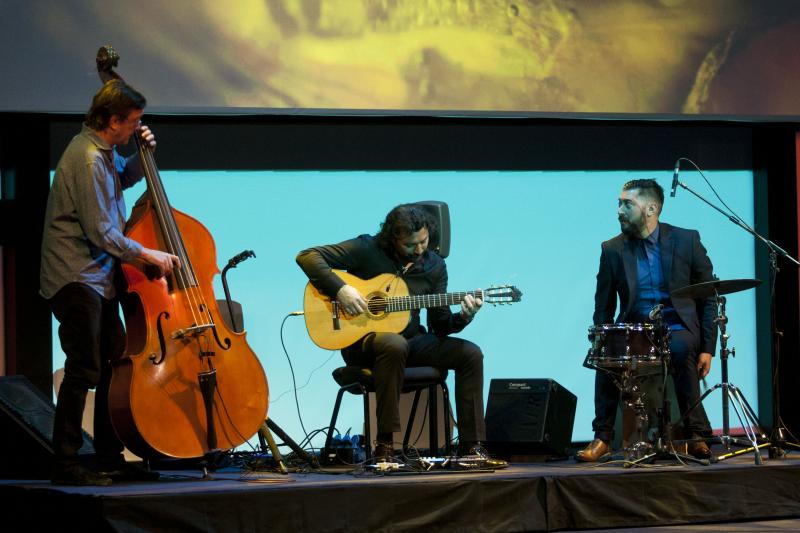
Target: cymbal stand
{"points": [[732, 396]]}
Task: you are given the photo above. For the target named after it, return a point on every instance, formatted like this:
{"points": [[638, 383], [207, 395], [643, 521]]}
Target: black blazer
{"points": [[684, 262]]}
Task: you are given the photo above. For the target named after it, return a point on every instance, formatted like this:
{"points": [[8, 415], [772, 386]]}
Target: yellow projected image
{"points": [[601, 56]]}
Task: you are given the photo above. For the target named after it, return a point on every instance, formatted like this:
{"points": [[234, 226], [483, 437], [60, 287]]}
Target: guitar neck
{"points": [[406, 303]]}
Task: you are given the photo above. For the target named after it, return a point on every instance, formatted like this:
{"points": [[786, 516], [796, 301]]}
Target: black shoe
{"points": [[476, 450], [384, 453], [121, 470], [77, 475]]}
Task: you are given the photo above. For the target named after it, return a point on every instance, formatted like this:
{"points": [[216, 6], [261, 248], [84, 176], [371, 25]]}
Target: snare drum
{"points": [[620, 346]]}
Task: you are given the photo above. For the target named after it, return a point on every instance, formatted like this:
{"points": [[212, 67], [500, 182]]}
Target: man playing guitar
{"points": [[401, 248]]}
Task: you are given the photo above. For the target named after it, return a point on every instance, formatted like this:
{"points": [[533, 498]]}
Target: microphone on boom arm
{"points": [[675, 178]]}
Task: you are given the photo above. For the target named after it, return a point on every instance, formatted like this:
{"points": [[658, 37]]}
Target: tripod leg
{"points": [[750, 413], [265, 434], [750, 426], [304, 455], [697, 402], [664, 454], [649, 458], [741, 413], [743, 451]]}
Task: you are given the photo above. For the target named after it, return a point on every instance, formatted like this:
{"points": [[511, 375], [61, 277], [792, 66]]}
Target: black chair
{"points": [[358, 380]]}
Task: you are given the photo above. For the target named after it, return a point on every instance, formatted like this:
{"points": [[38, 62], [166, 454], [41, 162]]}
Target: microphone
{"points": [[675, 178], [241, 256], [655, 312]]}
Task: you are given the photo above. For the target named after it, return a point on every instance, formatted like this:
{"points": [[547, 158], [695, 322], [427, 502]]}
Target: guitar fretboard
{"points": [[406, 303]]}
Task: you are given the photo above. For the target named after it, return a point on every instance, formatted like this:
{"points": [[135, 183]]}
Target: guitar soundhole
{"points": [[376, 305]]}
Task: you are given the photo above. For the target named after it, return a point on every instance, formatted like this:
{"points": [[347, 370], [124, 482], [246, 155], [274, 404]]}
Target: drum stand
{"points": [[632, 396], [663, 448], [732, 396], [627, 378]]}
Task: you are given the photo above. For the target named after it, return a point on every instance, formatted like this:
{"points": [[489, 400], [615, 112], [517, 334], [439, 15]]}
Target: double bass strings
{"points": [[184, 275]]}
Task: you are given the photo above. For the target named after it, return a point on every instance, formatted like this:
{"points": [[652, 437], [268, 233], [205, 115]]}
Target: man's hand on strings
{"points": [[165, 262], [351, 300]]}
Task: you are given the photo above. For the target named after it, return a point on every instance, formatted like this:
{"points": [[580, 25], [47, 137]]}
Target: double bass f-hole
{"points": [[227, 342], [161, 340]]}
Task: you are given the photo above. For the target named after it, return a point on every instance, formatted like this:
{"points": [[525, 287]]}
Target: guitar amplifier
{"points": [[529, 417]]}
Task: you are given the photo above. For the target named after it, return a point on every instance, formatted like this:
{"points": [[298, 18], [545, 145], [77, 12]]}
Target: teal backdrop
{"points": [[538, 230]]}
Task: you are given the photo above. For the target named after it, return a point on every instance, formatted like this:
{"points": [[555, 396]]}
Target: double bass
{"points": [[187, 384]]}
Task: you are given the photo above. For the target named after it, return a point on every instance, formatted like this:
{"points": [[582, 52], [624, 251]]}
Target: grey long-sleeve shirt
{"points": [[85, 218]]}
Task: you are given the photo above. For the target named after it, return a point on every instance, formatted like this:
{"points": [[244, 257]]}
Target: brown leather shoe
{"points": [[699, 449], [594, 451]]}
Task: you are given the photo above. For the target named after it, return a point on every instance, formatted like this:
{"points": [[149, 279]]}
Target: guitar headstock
{"points": [[504, 294]]}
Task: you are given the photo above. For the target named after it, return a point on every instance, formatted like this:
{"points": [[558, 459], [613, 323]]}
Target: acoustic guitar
{"points": [[389, 308]]}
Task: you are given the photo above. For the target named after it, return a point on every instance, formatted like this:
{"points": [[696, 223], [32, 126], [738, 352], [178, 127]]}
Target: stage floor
{"points": [[553, 496]]}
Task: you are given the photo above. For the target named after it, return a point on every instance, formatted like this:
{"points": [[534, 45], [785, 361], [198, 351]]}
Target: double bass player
{"points": [[83, 243]]}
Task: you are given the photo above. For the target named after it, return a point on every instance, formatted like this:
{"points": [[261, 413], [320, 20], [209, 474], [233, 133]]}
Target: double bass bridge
{"points": [[191, 331]]}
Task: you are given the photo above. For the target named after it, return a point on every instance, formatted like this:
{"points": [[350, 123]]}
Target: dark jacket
{"points": [[684, 262]]}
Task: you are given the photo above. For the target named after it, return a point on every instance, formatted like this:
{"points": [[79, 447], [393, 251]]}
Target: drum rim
{"points": [[625, 361], [631, 326]]}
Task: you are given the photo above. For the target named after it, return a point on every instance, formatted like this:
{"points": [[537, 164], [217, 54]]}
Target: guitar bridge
{"points": [[335, 316]]}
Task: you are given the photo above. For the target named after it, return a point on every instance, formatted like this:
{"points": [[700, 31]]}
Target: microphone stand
{"points": [[778, 434], [264, 435]]}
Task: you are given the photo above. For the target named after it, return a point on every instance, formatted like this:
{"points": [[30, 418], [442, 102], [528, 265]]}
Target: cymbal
{"points": [[709, 288]]}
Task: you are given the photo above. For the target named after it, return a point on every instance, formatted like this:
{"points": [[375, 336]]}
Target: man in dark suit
{"points": [[641, 266]]}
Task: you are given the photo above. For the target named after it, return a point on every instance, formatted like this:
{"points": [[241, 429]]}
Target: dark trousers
{"points": [[683, 347], [388, 354], [91, 334]]}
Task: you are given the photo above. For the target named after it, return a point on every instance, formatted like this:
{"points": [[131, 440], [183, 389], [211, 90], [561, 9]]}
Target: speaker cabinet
{"points": [[26, 430], [527, 417]]}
